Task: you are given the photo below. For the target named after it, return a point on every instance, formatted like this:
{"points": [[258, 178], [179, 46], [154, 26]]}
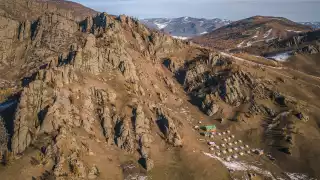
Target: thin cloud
{"points": [[297, 10]]}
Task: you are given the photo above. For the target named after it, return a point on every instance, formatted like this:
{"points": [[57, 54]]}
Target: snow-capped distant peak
{"points": [[185, 26], [180, 37], [161, 25]]}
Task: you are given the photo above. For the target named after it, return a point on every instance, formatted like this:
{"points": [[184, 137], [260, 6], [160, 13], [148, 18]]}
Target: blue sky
{"points": [[297, 10]]}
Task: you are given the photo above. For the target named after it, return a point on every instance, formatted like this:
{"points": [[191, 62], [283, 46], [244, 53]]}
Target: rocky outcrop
{"points": [[168, 128], [124, 136], [8, 34], [34, 100], [3, 138], [103, 98], [279, 132], [307, 42], [209, 106], [143, 136], [96, 45], [234, 88]]}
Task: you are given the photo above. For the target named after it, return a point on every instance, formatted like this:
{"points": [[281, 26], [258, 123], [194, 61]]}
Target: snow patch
{"points": [[267, 34], [289, 30], [270, 39], [186, 19], [205, 32], [256, 35], [180, 37], [240, 166], [249, 44], [282, 57], [240, 45], [297, 176], [161, 25]]}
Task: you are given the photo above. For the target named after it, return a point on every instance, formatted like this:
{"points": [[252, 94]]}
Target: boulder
{"points": [[214, 108], [93, 173]]}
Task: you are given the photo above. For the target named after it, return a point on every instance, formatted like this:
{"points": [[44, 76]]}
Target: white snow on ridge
{"points": [[270, 39], [267, 34], [240, 45], [297, 176], [293, 31], [256, 35], [249, 44], [205, 32], [161, 25], [180, 37]]}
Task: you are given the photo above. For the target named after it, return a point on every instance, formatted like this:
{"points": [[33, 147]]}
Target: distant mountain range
{"points": [[314, 25], [185, 27], [189, 27]]}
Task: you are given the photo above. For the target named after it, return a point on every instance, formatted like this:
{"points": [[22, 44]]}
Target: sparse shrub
{"points": [[3, 136], [280, 79], [3, 142], [38, 159], [5, 93]]}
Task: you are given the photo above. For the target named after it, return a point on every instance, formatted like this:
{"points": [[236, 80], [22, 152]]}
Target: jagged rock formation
{"points": [[3, 137], [213, 79], [57, 99], [301, 43], [100, 91], [280, 132], [168, 128]]}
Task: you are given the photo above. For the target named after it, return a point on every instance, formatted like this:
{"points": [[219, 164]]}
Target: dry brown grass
{"points": [[257, 59], [4, 93]]}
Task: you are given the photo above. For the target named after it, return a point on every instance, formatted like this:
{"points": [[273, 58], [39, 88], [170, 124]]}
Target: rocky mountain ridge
{"points": [[251, 32], [314, 25], [30, 10], [106, 97]]}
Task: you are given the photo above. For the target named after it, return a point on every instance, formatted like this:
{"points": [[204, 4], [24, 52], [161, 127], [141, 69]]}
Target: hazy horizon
{"points": [[296, 10]]}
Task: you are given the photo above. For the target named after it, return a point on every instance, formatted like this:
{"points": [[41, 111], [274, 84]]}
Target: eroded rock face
{"points": [[124, 135], [3, 138], [168, 128], [27, 123], [209, 106]]}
